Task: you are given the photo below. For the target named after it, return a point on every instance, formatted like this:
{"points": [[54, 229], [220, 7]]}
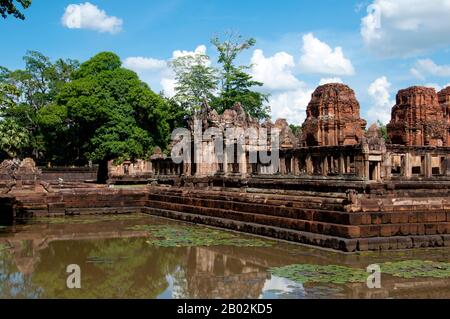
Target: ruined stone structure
{"points": [[333, 117], [336, 185], [444, 101], [420, 118]]}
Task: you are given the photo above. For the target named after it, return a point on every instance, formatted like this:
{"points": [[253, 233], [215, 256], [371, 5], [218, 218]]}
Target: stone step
{"points": [[103, 210], [341, 230], [273, 210], [343, 244], [345, 218], [323, 203], [345, 231]]}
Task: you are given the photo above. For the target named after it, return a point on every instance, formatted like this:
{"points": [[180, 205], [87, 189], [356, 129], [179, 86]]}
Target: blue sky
{"points": [[396, 44]]}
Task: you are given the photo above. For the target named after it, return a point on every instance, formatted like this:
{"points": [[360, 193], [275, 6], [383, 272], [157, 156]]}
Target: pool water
{"points": [[139, 256]]}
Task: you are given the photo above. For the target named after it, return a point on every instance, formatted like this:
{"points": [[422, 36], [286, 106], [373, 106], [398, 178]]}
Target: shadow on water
{"points": [[118, 260]]}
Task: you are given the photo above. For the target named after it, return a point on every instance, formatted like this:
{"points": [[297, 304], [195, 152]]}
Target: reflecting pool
{"points": [[139, 256]]}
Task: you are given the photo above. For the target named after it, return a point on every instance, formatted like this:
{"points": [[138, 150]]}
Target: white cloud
{"points": [[319, 57], [330, 80], [436, 86], [379, 92], [406, 27], [289, 96], [156, 72], [89, 16], [141, 64], [168, 82], [425, 67], [200, 50], [168, 86], [275, 72], [291, 105]]}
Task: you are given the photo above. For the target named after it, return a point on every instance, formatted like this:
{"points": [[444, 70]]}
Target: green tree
{"points": [[13, 138], [383, 130], [236, 83], [23, 93], [8, 7], [110, 113], [296, 129], [196, 81]]}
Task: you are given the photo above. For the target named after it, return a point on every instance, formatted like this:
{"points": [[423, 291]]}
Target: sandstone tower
{"points": [[444, 101], [418, 119], [333, 117]]}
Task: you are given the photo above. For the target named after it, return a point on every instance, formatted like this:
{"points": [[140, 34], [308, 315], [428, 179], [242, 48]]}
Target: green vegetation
{"points": [[236, 84], [334, 274], [4, 247], [189, 236], [417, 268], [8, 7], [224, 86], [196, 81], [115, 115], [320, 274], [13, 138], [296, 129], [77, 220], [65, 112], [96, 111], [383, 130]]}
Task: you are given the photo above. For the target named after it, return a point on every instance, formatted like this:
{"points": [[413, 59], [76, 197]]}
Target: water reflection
{"points": [[119, 263]]}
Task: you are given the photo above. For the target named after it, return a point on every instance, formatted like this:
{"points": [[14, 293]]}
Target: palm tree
{"points": [[13, 138]]}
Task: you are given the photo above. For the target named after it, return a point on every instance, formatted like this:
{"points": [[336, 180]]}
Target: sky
{"points": [[377, 47]]}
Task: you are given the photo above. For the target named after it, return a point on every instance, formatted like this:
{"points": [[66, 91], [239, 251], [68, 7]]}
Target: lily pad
{"points": [[190, 236], [334, 274], [83, 220], [4, 247], [416, 269], [307, 273]]}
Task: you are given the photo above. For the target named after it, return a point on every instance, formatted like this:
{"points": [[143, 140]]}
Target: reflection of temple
{"points": [[212, 274], [26, 245]]}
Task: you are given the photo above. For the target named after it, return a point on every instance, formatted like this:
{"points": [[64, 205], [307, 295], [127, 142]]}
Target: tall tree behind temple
{"points": [[9, 7], [236, 83], [196, 81]]}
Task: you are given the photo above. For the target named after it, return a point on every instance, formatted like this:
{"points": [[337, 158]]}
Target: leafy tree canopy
{"points": [[8, 7], [13, 138], [237, 84], [196, 81], [111, 113], [23, 93]]}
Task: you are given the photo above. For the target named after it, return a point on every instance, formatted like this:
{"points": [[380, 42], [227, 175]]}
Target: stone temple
{"points": [[335, 184], [333, 118], [420, 117]]}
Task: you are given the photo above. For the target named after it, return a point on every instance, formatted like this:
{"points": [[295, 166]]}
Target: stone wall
{"points": [[69, 174]]}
